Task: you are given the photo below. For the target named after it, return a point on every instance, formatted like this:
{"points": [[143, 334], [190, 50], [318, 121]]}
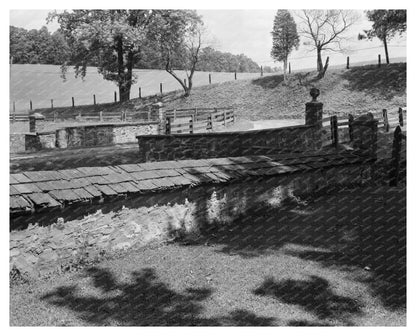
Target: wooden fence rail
{"points": [[332, 125], [193, 120]]}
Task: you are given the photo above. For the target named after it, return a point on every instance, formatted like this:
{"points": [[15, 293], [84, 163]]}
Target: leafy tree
{"points": [[177, 35], [386, 24], [325, 30], [37, 46], [110, 39], [285, 38]]}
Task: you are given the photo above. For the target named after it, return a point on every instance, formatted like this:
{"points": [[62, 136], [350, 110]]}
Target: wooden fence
{"points": [[90, 116], [337, 130], [197, 120]]}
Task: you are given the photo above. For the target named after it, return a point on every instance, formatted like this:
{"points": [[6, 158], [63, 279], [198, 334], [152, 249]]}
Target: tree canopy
{"points": [[285, 37], [386, 24], [37, 46]]}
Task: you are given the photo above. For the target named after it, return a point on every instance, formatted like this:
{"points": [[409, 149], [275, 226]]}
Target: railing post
{"points": [[334, 130], [161, 88], [94, 99], [140, 92], [168, 122], [386, 121], [379, 60], [209, 125], [350, 126], [395, 157], [348, 62], [191, 125], [400, 116], [31, 105], [73, 102], [115, 96]]}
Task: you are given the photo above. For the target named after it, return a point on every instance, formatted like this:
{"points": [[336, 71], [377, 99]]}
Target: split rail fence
{"points": [[198, 119], [337, 130]]}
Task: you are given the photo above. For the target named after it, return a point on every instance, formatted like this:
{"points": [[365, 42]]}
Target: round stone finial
{"points": [[314, 93]]}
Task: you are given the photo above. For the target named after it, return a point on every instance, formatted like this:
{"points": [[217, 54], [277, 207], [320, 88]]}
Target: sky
{"points": [[248, 31]]}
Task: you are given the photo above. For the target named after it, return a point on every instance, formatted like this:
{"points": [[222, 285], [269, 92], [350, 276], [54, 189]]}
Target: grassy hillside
{"points": [[358, 90], [41, 83]]}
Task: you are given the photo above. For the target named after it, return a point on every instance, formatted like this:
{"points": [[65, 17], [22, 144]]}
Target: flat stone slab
{"points": [[35, 190]]}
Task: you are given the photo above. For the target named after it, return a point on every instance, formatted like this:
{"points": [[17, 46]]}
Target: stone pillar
{"points": [[36, 122], [159, 111], [364, 132], [313, 110]]}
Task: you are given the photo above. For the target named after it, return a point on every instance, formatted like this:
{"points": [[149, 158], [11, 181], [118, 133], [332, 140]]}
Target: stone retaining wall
{"points": [[82, 136], [229, 144], [83, 233]]}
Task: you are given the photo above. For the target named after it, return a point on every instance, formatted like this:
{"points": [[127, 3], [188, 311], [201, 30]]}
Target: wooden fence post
{"points": [[209, 125], [31, 105], [334, 130], [209, 77], [140, 92], [395, 157], [168, 122], [235, 75], [191, 124], [400, 116], [161, 88], [386, 121], [350, 130], [51, 103], [379, 60], [348, 62], [290, 69], [261, 71], [94, 99], [115, 96], [73, 102]]}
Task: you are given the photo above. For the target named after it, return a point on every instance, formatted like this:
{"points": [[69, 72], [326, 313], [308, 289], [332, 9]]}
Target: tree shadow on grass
{"points": [[142, 301], [387, 81], [314, 295]]}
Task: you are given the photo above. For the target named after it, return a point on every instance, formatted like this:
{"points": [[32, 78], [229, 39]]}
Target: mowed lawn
{"points": [[336, 260]]}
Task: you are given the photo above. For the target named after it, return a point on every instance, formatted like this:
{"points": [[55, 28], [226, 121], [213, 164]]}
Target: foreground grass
{"points": [[298, 265]]}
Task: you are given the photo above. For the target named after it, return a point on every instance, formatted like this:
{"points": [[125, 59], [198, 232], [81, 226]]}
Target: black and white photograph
{"points": [[182, 167]]}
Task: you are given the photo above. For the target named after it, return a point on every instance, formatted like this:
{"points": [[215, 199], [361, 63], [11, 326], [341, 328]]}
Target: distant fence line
{"points": [[32, 106]]}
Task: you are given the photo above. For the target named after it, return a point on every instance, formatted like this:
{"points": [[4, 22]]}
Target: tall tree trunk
{"points": [[386, 51], [319, 65], [285, 70]]}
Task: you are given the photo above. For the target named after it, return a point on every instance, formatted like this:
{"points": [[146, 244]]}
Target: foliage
{"points": [[37, 46], [177, 38], [285, 37], [386, 24], [325, 30], [214, 60], [111, 39]]}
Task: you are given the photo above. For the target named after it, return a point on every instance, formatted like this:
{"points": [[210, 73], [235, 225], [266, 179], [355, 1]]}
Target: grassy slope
{"points": [[358, 90]]}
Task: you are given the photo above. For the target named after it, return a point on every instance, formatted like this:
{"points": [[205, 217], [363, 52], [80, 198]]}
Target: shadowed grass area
{"points": [[334, 260]]}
